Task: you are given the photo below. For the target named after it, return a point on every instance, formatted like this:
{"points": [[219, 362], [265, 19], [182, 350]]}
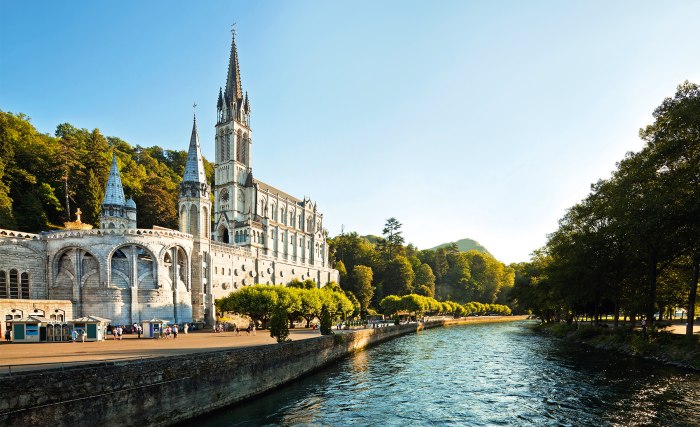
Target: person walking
{"points": [[175, 331], [253, 328], [139, 330], [186, 327], [83, 334], [74, 335]]}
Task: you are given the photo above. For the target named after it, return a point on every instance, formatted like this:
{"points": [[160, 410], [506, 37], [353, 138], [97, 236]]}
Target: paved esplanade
{"points": [[23, 356]]}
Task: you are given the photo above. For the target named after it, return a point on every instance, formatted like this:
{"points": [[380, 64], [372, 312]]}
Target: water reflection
{"points": [[493, 374]]}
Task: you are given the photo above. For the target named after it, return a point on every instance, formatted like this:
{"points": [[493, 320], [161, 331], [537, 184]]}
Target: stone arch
{"points": [[180, 273], [121, 259], [73, 265], [223, 234]]}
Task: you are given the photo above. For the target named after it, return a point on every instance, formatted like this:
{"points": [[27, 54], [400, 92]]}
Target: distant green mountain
{"points": [[372, 238], [465, 245]]}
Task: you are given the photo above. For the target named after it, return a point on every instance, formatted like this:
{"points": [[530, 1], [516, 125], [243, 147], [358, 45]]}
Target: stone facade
{"points": [[119, 272]]}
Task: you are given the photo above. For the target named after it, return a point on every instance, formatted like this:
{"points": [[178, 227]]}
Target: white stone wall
{"points": [[134, 275]]}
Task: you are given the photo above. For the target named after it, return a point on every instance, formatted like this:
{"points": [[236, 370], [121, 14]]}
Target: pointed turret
{"points": [[194, 168], [114, 194], [233, 80], [246, 104], [220, 102], [117, 212]]}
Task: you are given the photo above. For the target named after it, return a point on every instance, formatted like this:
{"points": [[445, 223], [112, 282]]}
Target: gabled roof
{"points": [[88, 319], [274, 190]]}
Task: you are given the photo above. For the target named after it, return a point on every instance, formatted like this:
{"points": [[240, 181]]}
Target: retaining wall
{"points": [[163, 391]]}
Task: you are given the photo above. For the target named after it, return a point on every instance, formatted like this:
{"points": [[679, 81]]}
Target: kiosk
{"points": [[96, 327], [154, 328], [38, 329]]}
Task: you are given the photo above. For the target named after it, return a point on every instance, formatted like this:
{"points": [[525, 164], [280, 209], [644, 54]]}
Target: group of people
{"points": [[116, 331], [78, 333], [170, 331], [225, 327]]}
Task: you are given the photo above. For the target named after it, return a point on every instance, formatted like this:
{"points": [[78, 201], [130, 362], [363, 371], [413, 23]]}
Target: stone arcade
{"points": [[259, 235]]}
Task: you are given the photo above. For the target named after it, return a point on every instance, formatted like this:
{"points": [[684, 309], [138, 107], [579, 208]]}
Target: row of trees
{"points": [[375, 267], [42, 177], [259, 302], [632, 247], [419, 304]]}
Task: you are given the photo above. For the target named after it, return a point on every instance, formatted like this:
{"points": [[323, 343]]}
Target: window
{"points": [[25, 285], [14, 284], [3, 284]]}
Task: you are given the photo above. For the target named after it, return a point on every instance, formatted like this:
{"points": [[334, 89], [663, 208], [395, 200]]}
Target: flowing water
{"points": [[488, 374]]}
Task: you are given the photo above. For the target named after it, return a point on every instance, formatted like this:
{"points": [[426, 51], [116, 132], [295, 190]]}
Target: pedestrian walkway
{"points": [[44, 355]]}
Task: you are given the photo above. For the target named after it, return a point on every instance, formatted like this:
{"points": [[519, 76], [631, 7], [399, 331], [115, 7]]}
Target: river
{"points": [[487, 374]]}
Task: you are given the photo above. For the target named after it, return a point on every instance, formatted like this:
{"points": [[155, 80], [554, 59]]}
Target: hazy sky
{"points": [[482, 119]]}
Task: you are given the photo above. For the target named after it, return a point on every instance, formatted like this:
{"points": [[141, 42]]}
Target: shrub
{"points": [[640, 344], [586, 333], [326, 322], [279, 328]]}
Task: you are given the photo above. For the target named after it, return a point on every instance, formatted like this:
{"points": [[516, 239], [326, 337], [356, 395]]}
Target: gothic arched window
{"points": [[14, 284], [241, 147], [24, 285], [3, 285]]}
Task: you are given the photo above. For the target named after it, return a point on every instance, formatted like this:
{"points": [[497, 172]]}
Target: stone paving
{"points": [[30, 356]]}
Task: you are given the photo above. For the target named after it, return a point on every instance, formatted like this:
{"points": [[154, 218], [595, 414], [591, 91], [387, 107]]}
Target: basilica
{"points": [[253, 233]]}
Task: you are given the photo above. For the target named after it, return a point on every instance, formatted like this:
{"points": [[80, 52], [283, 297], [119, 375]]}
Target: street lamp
{"points": [[63, 316]]}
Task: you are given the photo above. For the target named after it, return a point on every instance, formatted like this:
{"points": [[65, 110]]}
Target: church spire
{"points": [[114, 194], [194, 168], [234, 87]]}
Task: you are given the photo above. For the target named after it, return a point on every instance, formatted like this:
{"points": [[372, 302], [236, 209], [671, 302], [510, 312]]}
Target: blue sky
{"points": [[462, 119]]}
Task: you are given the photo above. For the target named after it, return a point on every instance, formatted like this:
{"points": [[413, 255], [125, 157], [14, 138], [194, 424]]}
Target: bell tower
{"points": [[194, 207], [233, 198]]}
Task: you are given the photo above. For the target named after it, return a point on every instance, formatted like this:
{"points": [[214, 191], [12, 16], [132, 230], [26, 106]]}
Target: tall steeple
{"points": [[234, 88], [194, 204], [194, 168], [117, 212], [114, 194]]}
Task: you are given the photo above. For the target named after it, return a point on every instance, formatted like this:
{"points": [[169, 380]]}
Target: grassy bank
{"points": [[661, 346]]}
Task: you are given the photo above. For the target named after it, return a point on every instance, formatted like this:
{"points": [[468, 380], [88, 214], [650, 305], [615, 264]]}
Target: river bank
{"points": [[160, 391], [660, 346]]}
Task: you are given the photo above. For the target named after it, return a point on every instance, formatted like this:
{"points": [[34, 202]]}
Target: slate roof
{"points": [[114, 193]]}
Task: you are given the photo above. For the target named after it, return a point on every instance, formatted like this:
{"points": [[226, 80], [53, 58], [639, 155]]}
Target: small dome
{"points": [[131, 203]]}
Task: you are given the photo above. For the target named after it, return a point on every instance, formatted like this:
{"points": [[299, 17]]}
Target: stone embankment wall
{"points": [[163, 391]]}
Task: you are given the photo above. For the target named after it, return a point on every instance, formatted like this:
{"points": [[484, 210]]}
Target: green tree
{"points": [[397, 276], [362, 285], [326, 322], [425, 281], [393, 236], [278, 324]]}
